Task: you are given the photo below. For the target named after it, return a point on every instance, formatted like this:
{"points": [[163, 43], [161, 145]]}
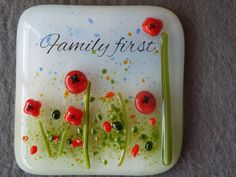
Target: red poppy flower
{"points": [[32, 107], [73, 116], [76, 82], [145, 102], [152, 26]]}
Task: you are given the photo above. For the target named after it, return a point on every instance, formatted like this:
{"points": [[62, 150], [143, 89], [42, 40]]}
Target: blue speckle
{"points": [[90, 20], [40, 68], [73, 31], [130, 97], [96, 34], [55, 72], [125, 79], [138, 30]]}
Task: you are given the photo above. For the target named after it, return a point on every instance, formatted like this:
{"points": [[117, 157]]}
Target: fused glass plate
{"points": [[98, 90]]}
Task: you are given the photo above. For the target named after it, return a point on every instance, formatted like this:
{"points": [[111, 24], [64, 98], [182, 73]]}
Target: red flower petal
{"points": [[32, 107], [73, 116]]}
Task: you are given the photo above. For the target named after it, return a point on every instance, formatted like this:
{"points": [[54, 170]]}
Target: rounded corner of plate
{"points": [[22, 164]]}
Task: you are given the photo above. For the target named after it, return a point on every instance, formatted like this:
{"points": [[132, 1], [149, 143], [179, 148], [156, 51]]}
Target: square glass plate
{"points": [[92, 93]]}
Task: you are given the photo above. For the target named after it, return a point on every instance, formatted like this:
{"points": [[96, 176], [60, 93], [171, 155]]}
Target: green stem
{"points": [[62, 142], [125, 121], [45, 138], [86, 126], [166, 138]]}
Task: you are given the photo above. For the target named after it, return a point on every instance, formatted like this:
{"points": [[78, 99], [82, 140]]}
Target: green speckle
{"points": [[134, 129], [92, 99], [79, 130], [104, 135], [112, 116], [115, 108], [112, 81], [93, 51], [117, 139], [104, 162], [104, 71], [93, 131], [95, 153], [110, 137], [126, 69], [50, 137], [143, 136], [99, 116]]}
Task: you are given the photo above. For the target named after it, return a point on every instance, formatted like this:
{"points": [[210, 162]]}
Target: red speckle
{"points": [[32, 107], [145, 102], [76, 82], [135, 150], [107, 126], [25, 138], [73, 115], [152, 26], [109, 94], [33, 150], [56, 137], [77, 143], [152, 121]]}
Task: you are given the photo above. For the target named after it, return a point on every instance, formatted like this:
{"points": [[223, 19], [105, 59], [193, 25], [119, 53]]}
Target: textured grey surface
{"points": [[209, 147]]}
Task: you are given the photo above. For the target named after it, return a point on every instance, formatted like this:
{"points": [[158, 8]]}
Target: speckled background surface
{"points": [[209, 147]]}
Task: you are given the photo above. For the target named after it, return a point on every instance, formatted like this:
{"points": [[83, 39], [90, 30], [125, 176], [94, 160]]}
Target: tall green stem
{"points": [[86, 126], [166, 138], [45, 138], [125, 121], [62, 142]]}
